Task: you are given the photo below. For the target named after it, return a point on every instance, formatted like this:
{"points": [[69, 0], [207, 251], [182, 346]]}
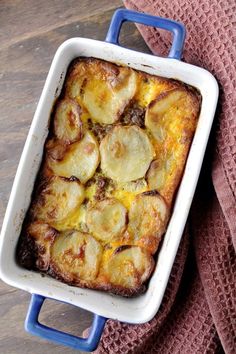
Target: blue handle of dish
{"points": [[33, 326], [122, 15]]}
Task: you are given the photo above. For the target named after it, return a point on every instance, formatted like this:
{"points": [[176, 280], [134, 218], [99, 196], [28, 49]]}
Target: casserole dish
{"points": [[144, 307]]}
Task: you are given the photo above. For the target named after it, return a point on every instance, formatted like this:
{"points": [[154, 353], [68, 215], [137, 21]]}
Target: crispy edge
{"points": [[28, 253]]}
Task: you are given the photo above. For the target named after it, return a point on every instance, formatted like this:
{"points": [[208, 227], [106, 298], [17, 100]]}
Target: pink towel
{"points": [[198, 313]]}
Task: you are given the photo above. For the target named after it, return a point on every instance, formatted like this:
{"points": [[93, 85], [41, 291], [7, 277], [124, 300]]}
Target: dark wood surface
{"points": [[30, 32]]}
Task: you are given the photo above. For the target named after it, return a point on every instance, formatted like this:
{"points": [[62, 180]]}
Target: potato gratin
{"points": [[113, 160]]}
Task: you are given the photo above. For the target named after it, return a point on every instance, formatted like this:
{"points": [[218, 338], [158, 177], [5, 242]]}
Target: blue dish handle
{"points": [[177, 28], [33, 326]]}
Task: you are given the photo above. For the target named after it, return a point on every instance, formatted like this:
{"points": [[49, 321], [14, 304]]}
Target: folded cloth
{"points": [[198, 313]]}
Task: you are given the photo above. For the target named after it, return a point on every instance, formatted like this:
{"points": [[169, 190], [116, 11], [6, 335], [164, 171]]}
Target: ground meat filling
{"points": [[99, 130], [134, 115], [102, 184]]}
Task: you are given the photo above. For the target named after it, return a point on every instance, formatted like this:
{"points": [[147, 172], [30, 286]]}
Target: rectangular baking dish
{"points": [[142, 308]]}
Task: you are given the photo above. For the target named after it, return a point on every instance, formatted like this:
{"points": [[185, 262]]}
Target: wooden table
{"points": [[31, 31]]}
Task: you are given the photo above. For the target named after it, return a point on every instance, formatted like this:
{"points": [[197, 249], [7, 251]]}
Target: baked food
{"points": [[113, 160]]}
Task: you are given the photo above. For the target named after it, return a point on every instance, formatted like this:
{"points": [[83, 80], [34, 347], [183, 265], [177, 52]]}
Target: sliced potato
{"points": [[135, 187], [79, 73], [125, 192], [126, 153], [103, 88], [67, 123], [156, 175], [173, 112], [127, 267], [76, 256], [107, 219], [172, 119], [80, 160], [148, 218], [165, 173], [59, 198], [43, 236], [106, 99]]}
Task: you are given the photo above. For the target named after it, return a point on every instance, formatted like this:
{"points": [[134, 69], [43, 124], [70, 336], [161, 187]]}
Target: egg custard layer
{"points": [[113, 160]]}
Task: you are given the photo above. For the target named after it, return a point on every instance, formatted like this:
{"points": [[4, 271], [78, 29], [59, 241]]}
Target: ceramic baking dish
{"points": [[132, 310]]}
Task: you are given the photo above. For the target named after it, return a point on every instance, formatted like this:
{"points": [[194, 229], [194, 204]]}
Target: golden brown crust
{"points": [[34, 251], [113, 160]]}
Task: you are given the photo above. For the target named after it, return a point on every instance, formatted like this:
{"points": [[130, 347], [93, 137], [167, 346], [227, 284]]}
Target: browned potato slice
{"points": [[59, 198], [126, 153], [43, 236], [173, 112], [67, 123], [106, 99], [56, 149], [156, 175], [75, 257], [148, 218], [102, 88], [172, 119], [127, 267], [165, 173], [107, 219], [80, 159]]}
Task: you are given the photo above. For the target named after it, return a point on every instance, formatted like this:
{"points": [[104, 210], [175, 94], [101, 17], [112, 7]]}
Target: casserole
{"points": [[113, 159], [143, 308]]}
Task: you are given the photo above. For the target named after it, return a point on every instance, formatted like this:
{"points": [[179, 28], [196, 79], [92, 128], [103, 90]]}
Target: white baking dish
{"points": [[144, 307]]}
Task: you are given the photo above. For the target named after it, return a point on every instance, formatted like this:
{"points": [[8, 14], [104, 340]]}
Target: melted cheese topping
{"points": [[126, 193], [149, 88]]}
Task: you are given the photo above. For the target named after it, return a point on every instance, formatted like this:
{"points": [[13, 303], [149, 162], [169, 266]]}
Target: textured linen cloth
{"points": [[198, 313]]}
